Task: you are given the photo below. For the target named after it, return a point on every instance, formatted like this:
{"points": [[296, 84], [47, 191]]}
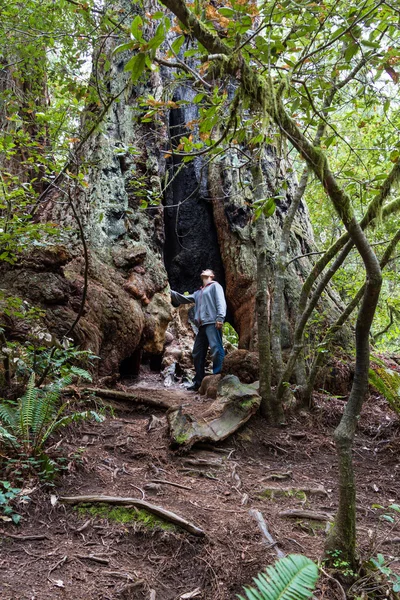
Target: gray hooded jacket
{"points": [[209, 301]]}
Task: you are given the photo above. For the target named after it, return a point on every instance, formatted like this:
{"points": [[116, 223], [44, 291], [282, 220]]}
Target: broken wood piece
{"points": [[192, 594], [307, 514], [256, 514], [278, 476], [99, 559], [152, 508], [234, 406], [139, 398], [152, 594]]}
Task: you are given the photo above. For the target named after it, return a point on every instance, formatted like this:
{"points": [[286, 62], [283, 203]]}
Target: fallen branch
{"points": [[264, 530], [152, 508], [25, 538], [165, 482], [307, 514], [117, 395]]}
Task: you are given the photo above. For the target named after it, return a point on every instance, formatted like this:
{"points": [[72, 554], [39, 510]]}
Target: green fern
{"points": [[27, 408], [81, 373], [291, 578], [387, 382], [8, 438], [73, 418], [35, 416]]}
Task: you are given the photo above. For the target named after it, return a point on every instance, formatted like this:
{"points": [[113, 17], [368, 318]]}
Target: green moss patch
{"points": [[271, 493], [123, 514]]}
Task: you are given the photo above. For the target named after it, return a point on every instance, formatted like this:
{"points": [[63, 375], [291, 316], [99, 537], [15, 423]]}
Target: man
{"points": [[210, 311]]}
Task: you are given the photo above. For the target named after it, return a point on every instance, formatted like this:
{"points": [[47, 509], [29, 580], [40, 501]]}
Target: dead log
{"points": [[307, 514], [264, 530], [152, 508], [235, 404], [273, 490], [141, 398]]}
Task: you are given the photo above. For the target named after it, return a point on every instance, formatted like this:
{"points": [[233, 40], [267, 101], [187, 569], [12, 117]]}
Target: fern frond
{"points": [[7, 438], [81, 373], [73, 418], [27, 407], [9, 415], [291, 578]]}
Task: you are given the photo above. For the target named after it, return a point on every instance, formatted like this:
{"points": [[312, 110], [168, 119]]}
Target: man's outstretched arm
{"points": [[178, 298]]}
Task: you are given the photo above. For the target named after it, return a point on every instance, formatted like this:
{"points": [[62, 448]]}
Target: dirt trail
{"points": [[87, 558]]}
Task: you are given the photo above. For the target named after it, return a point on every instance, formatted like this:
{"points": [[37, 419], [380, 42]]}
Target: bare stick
{"points": [[264, 530], [152, 508], [25, 538], [178, 485]]}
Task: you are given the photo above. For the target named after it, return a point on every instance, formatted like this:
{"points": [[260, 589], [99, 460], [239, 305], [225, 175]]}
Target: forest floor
{"points": [[90, 557]]}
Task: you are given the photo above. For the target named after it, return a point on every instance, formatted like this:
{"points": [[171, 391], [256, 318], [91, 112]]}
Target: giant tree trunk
{"points": [[204, 221]]}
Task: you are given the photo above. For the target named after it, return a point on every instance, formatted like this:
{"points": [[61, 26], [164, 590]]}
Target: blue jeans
{"points": [[208, 335]]}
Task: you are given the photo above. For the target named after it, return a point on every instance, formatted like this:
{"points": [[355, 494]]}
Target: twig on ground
{"points": [[264, 530], [25, 538], [82, 527], [152, 508], [339, 585], [54, 567], [297, 543], [164, 481], [138, 488]]}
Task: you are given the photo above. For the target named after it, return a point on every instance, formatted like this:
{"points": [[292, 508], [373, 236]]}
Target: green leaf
{"points": [[351, 51], [198, 98], [370, 44], [177, 44], [136, 65], [136, 28], [158, 38], [123, 47], [269, 208]]}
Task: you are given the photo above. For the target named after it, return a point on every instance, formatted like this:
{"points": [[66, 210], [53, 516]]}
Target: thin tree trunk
{"points": [[267, 407]]}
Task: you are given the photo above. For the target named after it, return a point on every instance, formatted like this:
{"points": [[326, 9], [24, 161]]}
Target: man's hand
{"points": [[218, 325]]}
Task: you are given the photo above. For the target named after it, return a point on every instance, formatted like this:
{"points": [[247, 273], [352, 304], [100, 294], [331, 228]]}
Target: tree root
{"points": [[152, 508], [138, 398]]}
